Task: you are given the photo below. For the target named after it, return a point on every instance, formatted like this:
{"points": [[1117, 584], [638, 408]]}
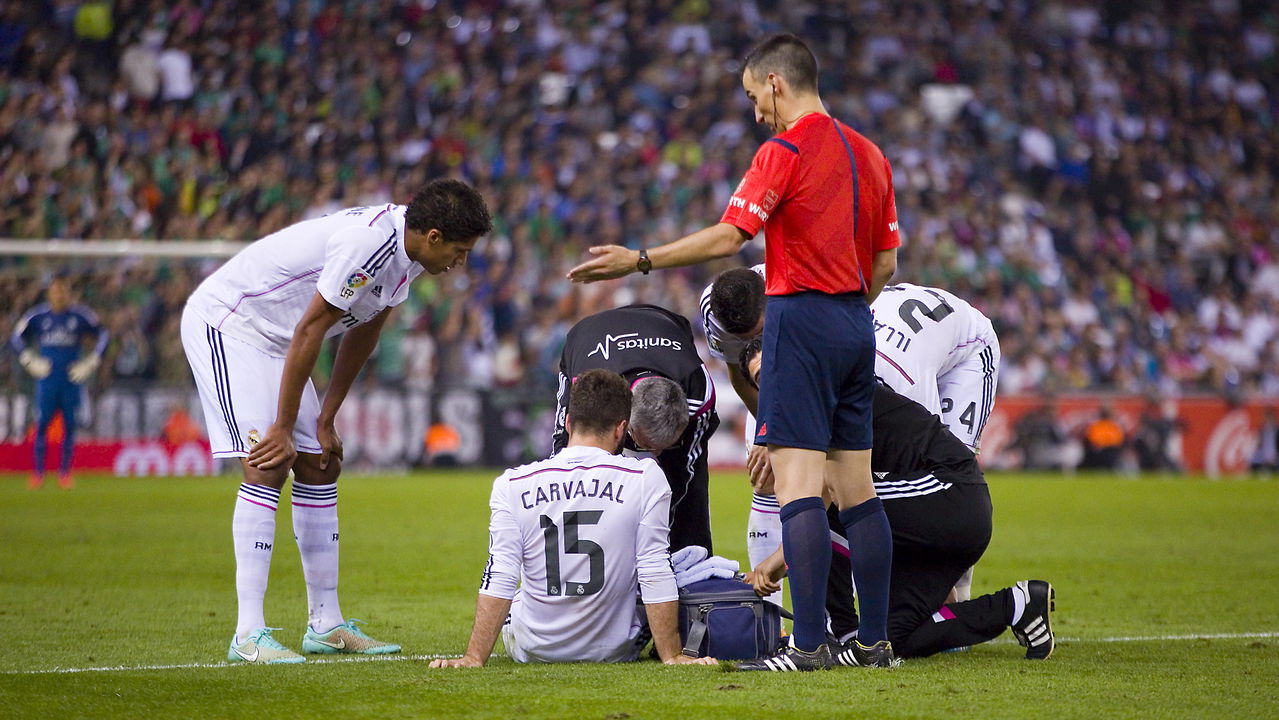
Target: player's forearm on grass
{"points": [[717, 241], [663, 621], [745, 391], [490, 615], [308, 336], [882, 269], [354, 350]]}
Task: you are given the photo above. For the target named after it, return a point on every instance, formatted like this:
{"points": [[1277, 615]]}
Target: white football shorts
{"points": [[239, 389]]}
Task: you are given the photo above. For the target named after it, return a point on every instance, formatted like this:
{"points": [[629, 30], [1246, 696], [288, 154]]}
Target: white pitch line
{"points": [[400, 658], [194, 666]]}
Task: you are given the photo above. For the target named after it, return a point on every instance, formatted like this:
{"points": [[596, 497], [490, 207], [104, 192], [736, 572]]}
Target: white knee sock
{"points": [[764, 533], [315, 526], [253, 532], [964, 586]]}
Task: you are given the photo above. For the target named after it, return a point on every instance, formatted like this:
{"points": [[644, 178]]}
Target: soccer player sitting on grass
{"points": [[252, 331], [572, 540]]}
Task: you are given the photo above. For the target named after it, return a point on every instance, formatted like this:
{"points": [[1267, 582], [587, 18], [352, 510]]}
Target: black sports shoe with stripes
{"points": [[855, 654], [792, 659], [1035, 631]]}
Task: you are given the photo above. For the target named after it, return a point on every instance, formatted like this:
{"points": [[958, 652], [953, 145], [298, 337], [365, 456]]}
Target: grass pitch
{"points": [[117, 600]]}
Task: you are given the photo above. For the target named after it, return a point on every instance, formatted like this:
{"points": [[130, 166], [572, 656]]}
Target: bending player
{"points": [[673, 408], [48, 340], [931, 346], [572, 540], [252, 331], [940, 511]]}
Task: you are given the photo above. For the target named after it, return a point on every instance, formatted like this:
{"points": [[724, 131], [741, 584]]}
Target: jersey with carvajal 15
{"points": [[571, 540]]}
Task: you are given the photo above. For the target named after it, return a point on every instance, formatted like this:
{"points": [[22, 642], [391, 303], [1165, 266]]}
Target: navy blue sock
{"points": [[68, 443], [870, 543], [806, 544]]}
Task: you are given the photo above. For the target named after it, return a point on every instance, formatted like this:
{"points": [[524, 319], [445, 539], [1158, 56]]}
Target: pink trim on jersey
{"points": [[946, 613], [837, 548], [709, 403], [577, 467], [291, 280], [375, 217], [402, 281], [965, 344], [899, 367]]}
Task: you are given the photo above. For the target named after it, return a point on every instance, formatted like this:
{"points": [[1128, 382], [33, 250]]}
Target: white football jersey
{"points": [[721, 343], [572, 539], [938, 350], [354, 258]]}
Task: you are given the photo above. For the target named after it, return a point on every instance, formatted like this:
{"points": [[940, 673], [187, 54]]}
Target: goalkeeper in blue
{"points": [[49, 340]]}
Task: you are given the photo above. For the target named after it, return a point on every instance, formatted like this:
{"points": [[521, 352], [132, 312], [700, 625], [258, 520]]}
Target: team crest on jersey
{"points": [[770, 200], [358, 279], [254, 437]]}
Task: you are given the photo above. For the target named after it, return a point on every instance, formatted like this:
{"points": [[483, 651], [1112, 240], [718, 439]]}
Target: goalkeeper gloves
{"points": [[83, 369], [36, 365]]}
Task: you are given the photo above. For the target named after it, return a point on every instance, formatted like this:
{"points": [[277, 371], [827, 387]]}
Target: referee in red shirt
{"points": [[824, 196]]}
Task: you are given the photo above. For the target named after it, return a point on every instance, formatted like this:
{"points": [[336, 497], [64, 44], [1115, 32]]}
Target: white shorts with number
{"points": [[239, 389]]}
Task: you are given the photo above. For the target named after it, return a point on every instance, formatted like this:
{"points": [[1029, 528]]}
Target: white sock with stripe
{"points": [[253, 533], [764, 533], [1019, 604], [315, 527]]}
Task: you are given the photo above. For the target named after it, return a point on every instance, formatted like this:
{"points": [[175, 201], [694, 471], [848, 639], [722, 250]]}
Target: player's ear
{"points": [[619, 435]]}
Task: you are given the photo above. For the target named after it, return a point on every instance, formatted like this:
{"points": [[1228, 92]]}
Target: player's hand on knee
{"points": [[36, 365], [274, 450], [465, 661], [330, 443], [686, 660], [760, 469]]}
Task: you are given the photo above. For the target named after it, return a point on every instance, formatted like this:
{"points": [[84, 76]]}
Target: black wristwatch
{"points": [[644, 264]]}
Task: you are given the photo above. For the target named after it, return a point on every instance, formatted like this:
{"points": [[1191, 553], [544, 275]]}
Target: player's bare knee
{"points": [[306, 469], [273, 478]]}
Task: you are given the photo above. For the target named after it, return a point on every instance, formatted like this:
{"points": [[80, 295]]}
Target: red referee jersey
{"points": [[799, 188]]}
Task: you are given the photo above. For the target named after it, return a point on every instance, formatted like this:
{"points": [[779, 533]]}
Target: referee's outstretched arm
{"points": [[615, 261]]}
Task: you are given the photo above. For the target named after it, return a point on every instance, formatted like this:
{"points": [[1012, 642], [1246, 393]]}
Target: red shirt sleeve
{"points": [[765, 185], [887, 236]]}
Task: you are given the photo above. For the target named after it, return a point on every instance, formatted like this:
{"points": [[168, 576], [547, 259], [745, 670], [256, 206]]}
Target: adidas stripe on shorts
{"points": [[239, 389]]}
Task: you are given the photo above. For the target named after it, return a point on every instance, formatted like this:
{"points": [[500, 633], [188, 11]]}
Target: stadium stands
{"points": [[1099, 178]]}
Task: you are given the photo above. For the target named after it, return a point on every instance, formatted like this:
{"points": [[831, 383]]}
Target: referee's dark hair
{"points": [[787, 56], [737, 299], [599, 400], [451, 206]]}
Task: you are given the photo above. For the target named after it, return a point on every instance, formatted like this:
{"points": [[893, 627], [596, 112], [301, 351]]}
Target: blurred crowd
{"points": [[1098, 178]]}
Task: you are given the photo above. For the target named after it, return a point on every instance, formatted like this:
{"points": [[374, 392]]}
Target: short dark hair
{"points": [[753, 348], [737, 299], [451, 206], [599, 400], [787, 56]]}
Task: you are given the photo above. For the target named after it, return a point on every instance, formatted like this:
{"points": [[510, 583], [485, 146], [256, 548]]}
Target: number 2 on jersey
{"points": [[937, 314], [574, 546]]}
